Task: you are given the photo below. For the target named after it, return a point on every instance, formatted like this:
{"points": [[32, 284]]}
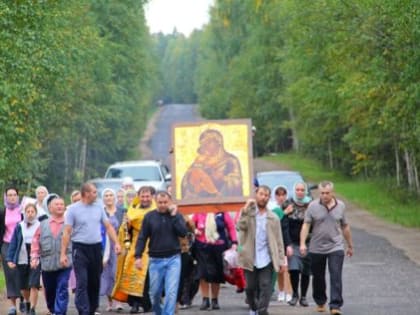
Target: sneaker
{"points": [[215, 304], [281, 297], [22, 307], [119, 307], [251, 312], [293, 301], [320, 308], [288, 297], [335, 311], [12, 311], [303, 302]]}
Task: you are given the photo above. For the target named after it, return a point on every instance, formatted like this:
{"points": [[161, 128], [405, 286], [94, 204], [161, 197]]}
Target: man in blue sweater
{"points": [[162, 227]]}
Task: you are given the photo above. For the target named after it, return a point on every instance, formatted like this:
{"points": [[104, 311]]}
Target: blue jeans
{"points": [[56, 290], [164, 274]]}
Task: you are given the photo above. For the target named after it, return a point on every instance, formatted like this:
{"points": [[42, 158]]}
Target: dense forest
{"points": [[336, 80], [77, 79]]}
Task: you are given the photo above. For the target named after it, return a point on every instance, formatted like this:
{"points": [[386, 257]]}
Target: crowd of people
{"points": [[135, 248]]}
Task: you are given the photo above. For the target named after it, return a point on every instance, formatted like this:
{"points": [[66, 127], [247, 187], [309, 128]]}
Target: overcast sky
{"points": [[185, 15]]}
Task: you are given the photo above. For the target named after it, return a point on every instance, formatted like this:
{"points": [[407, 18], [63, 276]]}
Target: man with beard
{"points": [[131, 284], [262, 249]]}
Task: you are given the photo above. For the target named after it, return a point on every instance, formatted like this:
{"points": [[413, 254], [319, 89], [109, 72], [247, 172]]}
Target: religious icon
{"points": [[212, 162]]}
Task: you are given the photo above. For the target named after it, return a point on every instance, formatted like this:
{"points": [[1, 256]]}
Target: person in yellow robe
{"points": [[131, 284]]}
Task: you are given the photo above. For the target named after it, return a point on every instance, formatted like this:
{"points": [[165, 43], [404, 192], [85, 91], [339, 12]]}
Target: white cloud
{"points": [[185, 15]]}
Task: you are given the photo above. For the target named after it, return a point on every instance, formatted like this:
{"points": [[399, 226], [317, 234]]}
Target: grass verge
{"points": [[371, 195]]}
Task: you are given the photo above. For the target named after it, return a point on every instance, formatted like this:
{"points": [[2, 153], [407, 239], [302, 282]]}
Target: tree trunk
{"points": [[397, 166], [83, 152], [330, 155], [409, 168], [295, 140], [416, 175], [66, 169]]}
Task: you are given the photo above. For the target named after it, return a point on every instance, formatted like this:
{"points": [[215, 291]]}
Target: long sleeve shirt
{"points": [[55, 226], [162, 230]]}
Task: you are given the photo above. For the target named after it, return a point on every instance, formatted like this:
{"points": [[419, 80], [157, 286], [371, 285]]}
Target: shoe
{"points": [[335, 311], [205, 305], [134, 309], [240, 290], [215, 304], [251, 312], [32, 311], [288, 297], [320, 308], [293, 301], [281, 297], [22, 306], [12, 311], [97, 313], [27, 307], [303, 302], [119, 307], [109, 308]]}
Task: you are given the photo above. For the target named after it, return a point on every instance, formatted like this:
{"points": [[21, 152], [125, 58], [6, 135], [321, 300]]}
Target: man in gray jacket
{"points": [[262, 250]]}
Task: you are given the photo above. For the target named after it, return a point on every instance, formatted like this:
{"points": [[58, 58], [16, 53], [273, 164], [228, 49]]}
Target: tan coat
{"points": [[247, 231]]}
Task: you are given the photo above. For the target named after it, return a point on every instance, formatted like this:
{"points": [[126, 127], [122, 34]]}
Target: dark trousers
{"points": [[143, 301], [188, 286], [335, 267], [258, 288], [56, 290], [87, 264]]}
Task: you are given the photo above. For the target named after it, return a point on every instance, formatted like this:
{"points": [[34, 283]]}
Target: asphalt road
{"points": [[378, 280]]}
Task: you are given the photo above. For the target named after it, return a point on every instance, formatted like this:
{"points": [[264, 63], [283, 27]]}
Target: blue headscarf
{"points": [[306, 198]]}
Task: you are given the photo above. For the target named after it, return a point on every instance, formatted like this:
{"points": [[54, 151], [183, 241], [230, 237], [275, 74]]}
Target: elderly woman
{"points": [[110, 258]]}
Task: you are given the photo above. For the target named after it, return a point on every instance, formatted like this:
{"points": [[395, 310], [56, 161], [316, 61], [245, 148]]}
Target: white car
{"points": [[144, 173]]}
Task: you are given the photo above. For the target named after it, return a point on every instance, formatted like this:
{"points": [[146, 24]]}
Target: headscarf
{"points": [[25, 218], [9, 205], [109, 190], [211, 228], [303, 200], [280, 186]]}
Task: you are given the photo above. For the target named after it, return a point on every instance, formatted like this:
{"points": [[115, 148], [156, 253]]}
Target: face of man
{"points": [[120, 197], [76, 198], [57, 207], [145, 199], [262, 196], [91, 194], [326, 194], [163, 203]]}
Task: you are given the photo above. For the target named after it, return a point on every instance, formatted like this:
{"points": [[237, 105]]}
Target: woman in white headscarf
{"points": [[109, 200]]}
